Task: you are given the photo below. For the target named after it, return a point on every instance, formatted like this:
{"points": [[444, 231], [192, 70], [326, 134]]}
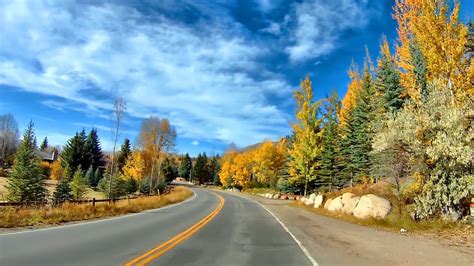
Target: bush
{"points": [[156, 186], [63, 191], [131, 186], [78, 185], [119, 187]]}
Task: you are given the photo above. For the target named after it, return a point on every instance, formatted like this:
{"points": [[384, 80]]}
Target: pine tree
{"points": [[97, 176], [214, 168], [362, 115], [92, 153], [168, 170], [419, 69], [63, 191], [78, 185], [200, 169], [388, 81], [90, 177], [329, 154], [72, 156], [27, 183], [124, 155], [44, 144], [185, 167]]}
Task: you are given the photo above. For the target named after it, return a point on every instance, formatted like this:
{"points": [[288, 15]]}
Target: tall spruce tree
{"points": [[124, 154], [63, 191], [27, 183], [44, 144], [362, 115], [185, 167], [92, 152], [420, 68], [200, 169], [329, 154], [72, 157], [214, 168]]}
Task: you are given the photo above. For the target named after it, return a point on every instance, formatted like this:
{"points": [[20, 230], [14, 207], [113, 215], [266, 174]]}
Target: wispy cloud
{"points": [[320, 24], [195, 142], [202, 78]]}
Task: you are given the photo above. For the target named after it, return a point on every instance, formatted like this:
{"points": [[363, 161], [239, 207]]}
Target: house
{"points": [[49, 156]]}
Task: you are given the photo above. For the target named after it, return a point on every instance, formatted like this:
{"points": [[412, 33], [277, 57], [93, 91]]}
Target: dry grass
{"points": [[259, 190], [30, 216]]}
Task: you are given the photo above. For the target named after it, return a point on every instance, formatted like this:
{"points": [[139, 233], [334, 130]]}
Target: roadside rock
{"points": [[326, 205], [283, 197], [310, 201], [346, 197], [350, 205], [276, 196], [372, 206], [336, 204], [318, 201]]}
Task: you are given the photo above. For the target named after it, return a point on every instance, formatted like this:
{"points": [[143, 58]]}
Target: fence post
{"points": [[93, 201], [128, 199]]}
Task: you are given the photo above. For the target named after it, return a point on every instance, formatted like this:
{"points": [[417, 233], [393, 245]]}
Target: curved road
{"points": [[208, 229]]}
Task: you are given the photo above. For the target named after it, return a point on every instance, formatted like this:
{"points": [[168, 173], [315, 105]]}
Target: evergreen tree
{"points": [[92, 153], [27, 184], [97, 176], [362, 115], [44, 144], [72, 156], [388, 83], [185, 167], [200, 169], [214, 169], [124, 154], [90, 177], [420, 69], [78, 185], [168, 170], [63, 191], [329, 154]]}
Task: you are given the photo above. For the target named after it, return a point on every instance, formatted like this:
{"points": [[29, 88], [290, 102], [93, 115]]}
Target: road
{"points": [[211, 228]]}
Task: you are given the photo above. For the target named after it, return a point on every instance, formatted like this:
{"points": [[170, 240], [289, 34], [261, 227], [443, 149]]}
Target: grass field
{"points": [[31, 216]]}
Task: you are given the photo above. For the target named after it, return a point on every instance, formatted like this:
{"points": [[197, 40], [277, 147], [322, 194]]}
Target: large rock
{"points": [[310, 201], [328, 202], [372, 206], [350, 205], [336, 204], [276, 196], [346, 197], [318, 201]]}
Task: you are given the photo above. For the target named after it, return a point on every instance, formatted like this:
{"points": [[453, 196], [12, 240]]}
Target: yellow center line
{"points": [[169, 244]]}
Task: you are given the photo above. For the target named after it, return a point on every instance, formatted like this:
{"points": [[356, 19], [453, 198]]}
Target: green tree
{"points": [[329, 154], [118, 188], [419, 68], [214, 169], [124, 154], [27, 184], [168, 170], [185, 167], [72, 156], [200, 169], [90, 177], [92, 152], [78, 185], [63, 191], [97, 176], [44, 144]]}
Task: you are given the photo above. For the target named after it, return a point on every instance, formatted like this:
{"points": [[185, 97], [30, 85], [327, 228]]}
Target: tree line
{"points": [[406, 119]]}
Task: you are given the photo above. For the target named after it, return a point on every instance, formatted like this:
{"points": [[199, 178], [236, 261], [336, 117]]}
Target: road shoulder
{"points": [[335, 242]]}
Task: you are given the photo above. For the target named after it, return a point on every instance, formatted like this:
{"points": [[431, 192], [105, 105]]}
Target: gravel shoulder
{"points": [[335, 242]]}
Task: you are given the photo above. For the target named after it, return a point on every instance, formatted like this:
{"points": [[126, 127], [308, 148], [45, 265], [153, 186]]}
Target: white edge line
{"points": [[305, 251], [100, 220]]}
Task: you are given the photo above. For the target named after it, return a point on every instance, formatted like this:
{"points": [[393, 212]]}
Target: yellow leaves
{"points": [[349, 100], [135, 166], [441, 39], [260, 164], [56, 170]]}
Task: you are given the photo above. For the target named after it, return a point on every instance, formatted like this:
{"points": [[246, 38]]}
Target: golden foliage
{"points": [[135, 166], [56, 170], [441, 39], [353, 89]]}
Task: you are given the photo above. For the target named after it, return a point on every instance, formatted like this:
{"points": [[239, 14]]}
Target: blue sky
{"points": [[220, 71]]}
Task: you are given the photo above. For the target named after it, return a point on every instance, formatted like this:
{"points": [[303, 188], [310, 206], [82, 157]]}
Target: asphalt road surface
{"points": [[208, 229]]}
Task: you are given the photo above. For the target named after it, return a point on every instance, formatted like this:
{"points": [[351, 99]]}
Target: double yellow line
{"points": [[156, 252]]}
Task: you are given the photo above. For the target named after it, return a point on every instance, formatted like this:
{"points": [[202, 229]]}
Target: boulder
{"points": [[312, 196], [346, 197], [318, 201], [326, 205], [310, 201], [276, 196], [291, 197], [283, 197], [336, 204], [350, 205], [372, 206]]}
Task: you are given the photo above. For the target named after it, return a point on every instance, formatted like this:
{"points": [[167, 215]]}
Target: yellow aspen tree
{"points": [[135, 166], [307, 144], [56, 170], [349, 100], [268, 160], [226, 173], [441, 38]]}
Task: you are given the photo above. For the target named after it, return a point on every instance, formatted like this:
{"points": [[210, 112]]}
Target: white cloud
{"points": [[195, 142], [319, 25], [200, 78]]}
